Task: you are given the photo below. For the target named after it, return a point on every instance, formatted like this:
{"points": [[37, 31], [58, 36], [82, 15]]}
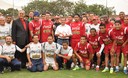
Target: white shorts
{"points": [[52, 64]]}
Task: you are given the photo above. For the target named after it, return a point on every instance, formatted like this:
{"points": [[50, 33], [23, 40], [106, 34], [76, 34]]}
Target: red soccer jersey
{"points": [[120, 35], [84, 49], [109, 26], [125, 25], [95, 41], [35, 27], [107, 37], [68, 23], [78, 29], [46, 30]]}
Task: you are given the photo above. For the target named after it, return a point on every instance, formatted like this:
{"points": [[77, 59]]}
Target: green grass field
{"points": [[62, 74]]}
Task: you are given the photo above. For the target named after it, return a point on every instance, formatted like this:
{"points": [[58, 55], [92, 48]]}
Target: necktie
{"points": [[24, 24]]}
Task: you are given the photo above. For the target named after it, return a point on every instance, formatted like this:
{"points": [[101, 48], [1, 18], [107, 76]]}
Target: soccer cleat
{"points": [[105, 70], [97, 69], [111, 71], [125, 72], [93, 66], [76, 68], [117, 70]]}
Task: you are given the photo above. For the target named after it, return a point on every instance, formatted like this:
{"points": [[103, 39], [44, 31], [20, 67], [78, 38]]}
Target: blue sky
{"points": [[119, 5]]}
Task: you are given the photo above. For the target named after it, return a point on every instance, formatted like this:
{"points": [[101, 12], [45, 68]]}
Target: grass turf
{"points": [[62, 74]]}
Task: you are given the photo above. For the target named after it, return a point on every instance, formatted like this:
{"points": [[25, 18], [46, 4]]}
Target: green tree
{"points": [[63, 7]]}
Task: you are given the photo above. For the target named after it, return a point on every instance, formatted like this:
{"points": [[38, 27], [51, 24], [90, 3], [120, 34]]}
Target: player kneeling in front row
{"points": [[84, 51], [7, 52], [34, 55], [64, 55], [49, 56], [97, 45]]}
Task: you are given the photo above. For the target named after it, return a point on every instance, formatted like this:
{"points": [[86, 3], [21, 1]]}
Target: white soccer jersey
{"points": [[9, 50], [68, 51], [35, 50], [49, 50], [4, 31]]}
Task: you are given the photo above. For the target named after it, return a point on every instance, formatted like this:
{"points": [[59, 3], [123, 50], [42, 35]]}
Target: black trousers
{"points": [[60, 63], [21, 56]]}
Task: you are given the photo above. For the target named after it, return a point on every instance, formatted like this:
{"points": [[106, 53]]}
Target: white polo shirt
{"points": [[35, 50], [63, 30], [68, 51], [9, 50]]}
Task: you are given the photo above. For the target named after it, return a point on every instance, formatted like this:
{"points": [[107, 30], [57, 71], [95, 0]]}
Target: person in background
{"points": [[87, 25], [56, 24], [35, 26], [112, 20], [43, 16], [121, 16], [125, 21], [26, 17], [31, 13], [69, 20], [4, 30], [63, 32], [95, 23], [20, 36], [78, 29], [47, 27], [9, 21], [1, 14], [108, 24]]}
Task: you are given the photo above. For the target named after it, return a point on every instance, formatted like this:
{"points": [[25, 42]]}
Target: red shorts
{"points": [[74, 42], [96, 50], [108, 48], [86, 61], [125, 49], [118, 49]]}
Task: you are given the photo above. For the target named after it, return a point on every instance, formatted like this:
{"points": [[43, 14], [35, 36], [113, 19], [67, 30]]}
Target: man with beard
{"points": [[7, 52]]}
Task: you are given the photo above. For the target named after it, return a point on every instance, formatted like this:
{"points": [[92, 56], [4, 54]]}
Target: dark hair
{"points": [[50, 35], [93, 29], [112, 19], [118, 21], [26, 16], [8, 36], [101, 24], [85, 17], [8, 15], [64, 42], [47, 13], [121, 12], [84, 36], [77, 15], [71, 15], [34, 36]]}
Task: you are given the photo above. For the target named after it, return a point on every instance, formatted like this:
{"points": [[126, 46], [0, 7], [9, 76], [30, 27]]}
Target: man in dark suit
{"points": [[20, 35]]}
